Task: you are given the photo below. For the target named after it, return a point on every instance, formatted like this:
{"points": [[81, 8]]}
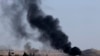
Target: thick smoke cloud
{"points": [[51, 27], [47, 25]]}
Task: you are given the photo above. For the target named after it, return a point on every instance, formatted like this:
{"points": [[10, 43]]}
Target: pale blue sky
{"points": [[79, 20]]}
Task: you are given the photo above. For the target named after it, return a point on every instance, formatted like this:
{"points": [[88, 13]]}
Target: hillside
{"points": [[91, 52]]}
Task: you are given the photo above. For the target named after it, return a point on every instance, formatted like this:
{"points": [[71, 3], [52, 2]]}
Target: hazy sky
{"points": [[80, 20]]}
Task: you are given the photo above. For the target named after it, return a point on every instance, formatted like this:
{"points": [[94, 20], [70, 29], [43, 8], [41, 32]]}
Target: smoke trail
{"points": [[25, 13], [51, 29], [50, 26]]}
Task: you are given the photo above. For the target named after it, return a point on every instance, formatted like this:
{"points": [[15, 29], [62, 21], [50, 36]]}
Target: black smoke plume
{"points": [[51, 27]]}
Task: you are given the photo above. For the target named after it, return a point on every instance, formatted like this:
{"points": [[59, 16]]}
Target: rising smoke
{"points": [[15, 31], [50, 26], [26, 17]]}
